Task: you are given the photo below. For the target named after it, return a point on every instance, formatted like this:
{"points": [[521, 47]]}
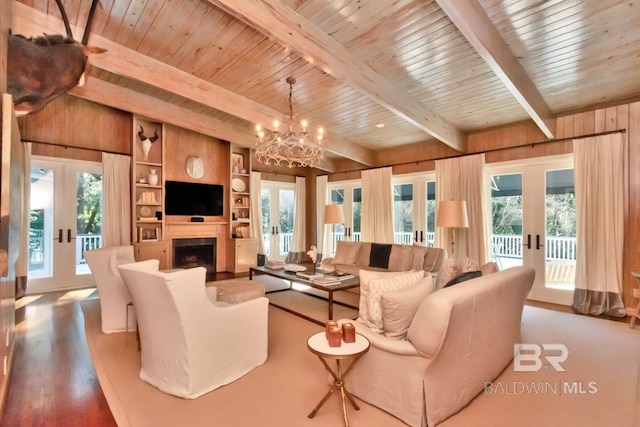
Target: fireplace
{"points": [[196, 252]]}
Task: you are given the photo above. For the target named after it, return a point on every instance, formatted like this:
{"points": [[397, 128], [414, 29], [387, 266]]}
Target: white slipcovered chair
{"points": [[114, 295], [190, 344]]}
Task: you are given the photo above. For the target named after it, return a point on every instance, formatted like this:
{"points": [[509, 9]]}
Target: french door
{"points": [[534, 223], [414, 209], [65, 220], [278, 210]]}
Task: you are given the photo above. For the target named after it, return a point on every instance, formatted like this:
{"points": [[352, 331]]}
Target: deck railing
{"points": [[37, 248], [502, 245]]}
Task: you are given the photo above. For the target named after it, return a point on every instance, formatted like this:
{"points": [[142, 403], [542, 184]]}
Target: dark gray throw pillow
{"points": [[462, 277], [379, 255]]}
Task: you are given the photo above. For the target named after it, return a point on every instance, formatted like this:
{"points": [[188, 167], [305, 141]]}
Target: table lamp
{"points": [[333, 214]]}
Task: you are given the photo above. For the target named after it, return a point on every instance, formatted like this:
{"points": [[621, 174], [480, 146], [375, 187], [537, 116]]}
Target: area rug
{"points": [[282, 392], [602, 372]]}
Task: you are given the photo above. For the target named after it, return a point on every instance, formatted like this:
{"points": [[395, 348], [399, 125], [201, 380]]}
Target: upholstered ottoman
{"points": [[237, 291]]}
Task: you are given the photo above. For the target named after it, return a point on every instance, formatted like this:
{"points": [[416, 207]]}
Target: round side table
{"points": [[319, 346]]}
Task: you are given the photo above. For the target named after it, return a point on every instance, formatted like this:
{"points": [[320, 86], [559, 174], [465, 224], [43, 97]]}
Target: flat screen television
{"points": [[190, 198]]}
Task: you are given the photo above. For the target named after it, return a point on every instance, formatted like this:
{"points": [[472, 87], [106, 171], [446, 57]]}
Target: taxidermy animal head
{"points": [[43, 68], [142, 136]]}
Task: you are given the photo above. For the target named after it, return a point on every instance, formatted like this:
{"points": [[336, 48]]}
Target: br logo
{"points": [[528, 357]]}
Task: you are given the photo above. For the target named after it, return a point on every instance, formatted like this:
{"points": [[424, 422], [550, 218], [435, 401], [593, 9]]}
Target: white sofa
{"points": [[351, 257], [460, 337]]}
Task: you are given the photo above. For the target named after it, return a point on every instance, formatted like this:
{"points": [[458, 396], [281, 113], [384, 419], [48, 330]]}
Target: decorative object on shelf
{"points": [[145, 211], [237, 184], [237, 162], [452, 214], [195, 167], [147, 141], [295, 147], [153, 177]]}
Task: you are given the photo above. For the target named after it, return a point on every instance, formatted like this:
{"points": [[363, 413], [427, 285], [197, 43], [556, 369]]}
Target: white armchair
{"points": [[114, 295], [191, 345]]}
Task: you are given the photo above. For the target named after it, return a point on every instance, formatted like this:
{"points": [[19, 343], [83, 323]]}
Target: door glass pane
{"points": [[356, 208], [88, 218], [560, 229], [403, 213], [506, 219], [266, 219], [41, 224], [286, 211], [431, 213]]}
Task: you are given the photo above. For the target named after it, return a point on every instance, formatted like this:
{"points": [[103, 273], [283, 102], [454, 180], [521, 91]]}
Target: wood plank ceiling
{"points": [[427, 70]]}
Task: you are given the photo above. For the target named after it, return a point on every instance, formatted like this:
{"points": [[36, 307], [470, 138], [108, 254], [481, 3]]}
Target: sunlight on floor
{"points": [[75, 295], [26, 300]]}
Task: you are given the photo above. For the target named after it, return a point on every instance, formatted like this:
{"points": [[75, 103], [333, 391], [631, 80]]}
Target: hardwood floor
{"points": [[53, 382]]}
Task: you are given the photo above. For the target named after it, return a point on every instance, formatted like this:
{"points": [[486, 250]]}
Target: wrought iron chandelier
{"points": [[294, 145]]}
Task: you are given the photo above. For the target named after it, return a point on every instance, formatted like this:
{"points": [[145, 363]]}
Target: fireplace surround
{"points": [[194, 252]]}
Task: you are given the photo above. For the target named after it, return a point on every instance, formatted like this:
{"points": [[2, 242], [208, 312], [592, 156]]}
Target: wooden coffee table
{"points": [[291, 278]]}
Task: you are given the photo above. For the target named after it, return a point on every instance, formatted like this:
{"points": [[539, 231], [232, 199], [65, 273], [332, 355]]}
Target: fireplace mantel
{"points": [[218, 229]]}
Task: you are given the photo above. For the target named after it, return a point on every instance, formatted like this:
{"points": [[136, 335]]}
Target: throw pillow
{"points": [[463, 277], [399, 307], [417, 257], [448, 271], [467, 264], [488, 268], [366, 276], [346, 253], [379, 255], [378, 286], [400, 258]]}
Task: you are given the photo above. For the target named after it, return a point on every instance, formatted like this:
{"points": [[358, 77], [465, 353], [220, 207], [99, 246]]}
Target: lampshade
{"points": [[333, 214], [452, 214]]}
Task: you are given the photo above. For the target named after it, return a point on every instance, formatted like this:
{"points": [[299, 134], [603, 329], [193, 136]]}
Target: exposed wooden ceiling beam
{"points": [[477, 27], [289, 28], [133, 65]]}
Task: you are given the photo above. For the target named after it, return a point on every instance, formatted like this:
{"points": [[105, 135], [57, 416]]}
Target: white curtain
{"points": [[298, 251], [116, 196], [323, 237], [462, 178], [377, 206], [599, 184], [256, 211], [22, 263]]}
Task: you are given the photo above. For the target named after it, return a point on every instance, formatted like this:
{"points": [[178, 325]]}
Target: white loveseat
{"points": [[460, 337]]}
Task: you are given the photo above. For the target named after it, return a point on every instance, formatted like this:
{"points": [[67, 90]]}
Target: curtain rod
{"points": [[532, 144], [73, 146]]}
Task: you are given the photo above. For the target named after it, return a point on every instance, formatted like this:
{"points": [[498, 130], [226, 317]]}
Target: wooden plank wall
{"points": [[73, 122]]}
